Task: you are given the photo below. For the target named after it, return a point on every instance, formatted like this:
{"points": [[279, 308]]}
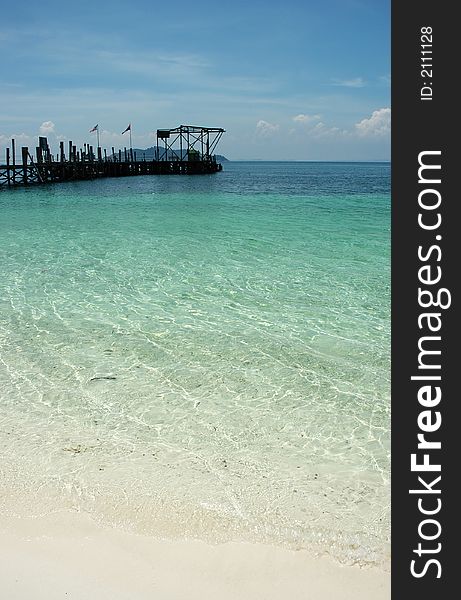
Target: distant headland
{"points": [[150, 153]]}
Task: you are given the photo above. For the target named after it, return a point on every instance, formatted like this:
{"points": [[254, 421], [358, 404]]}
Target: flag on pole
{"points": [[127, 129], [95, 128]]}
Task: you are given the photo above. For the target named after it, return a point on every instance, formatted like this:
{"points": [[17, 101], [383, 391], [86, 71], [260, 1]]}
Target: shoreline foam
{"points": [[68, 555]]}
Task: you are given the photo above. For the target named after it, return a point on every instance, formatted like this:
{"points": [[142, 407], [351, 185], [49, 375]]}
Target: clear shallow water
{"points": [[202, 356]]}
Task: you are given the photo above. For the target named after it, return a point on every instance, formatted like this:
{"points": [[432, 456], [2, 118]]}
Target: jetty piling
{"points": [[184, 150]]}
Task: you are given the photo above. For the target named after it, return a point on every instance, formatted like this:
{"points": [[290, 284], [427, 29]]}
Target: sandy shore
{"points": [[67, 555]]}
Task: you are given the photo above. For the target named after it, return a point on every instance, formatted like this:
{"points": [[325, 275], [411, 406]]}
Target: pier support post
{"points": [[13, 156], [25, 157], [8, 176]]}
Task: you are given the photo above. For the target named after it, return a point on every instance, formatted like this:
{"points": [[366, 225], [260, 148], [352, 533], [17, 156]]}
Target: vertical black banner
{"points": [[425, 251]]}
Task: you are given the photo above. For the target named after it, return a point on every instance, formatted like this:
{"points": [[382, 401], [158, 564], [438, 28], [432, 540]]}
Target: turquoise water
{"points": [[202, 356]]}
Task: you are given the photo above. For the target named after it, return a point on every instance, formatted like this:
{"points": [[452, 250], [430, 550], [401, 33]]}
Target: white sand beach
{"points": [[67, 555]]}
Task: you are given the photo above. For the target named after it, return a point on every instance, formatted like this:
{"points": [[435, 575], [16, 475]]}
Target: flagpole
{"points": [[131, 142]]}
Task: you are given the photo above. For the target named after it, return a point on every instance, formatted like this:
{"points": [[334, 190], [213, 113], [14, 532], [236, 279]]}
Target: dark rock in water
{"points": [[108, 377]]}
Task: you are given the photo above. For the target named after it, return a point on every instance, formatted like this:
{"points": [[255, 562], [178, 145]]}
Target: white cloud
{"points": [[378, 125], [322, 130], [357, 82], [47, 127], [20, 138], [265, 129], [306, 118]]}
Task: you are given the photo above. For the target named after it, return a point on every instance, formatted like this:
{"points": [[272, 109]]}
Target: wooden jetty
{"points": [[184, 150]]}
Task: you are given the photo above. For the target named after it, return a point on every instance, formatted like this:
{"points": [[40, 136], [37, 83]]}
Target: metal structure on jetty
{"points": [[184, 150]]}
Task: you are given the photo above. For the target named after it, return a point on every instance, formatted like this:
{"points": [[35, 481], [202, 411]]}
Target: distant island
{"points": [[149, 154]]}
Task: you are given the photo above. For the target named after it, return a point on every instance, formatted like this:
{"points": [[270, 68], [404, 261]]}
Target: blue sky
{"points": [[306, 80]]}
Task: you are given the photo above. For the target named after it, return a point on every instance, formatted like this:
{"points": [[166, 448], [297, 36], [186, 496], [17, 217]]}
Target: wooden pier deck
{"points": [[84, 164]]}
